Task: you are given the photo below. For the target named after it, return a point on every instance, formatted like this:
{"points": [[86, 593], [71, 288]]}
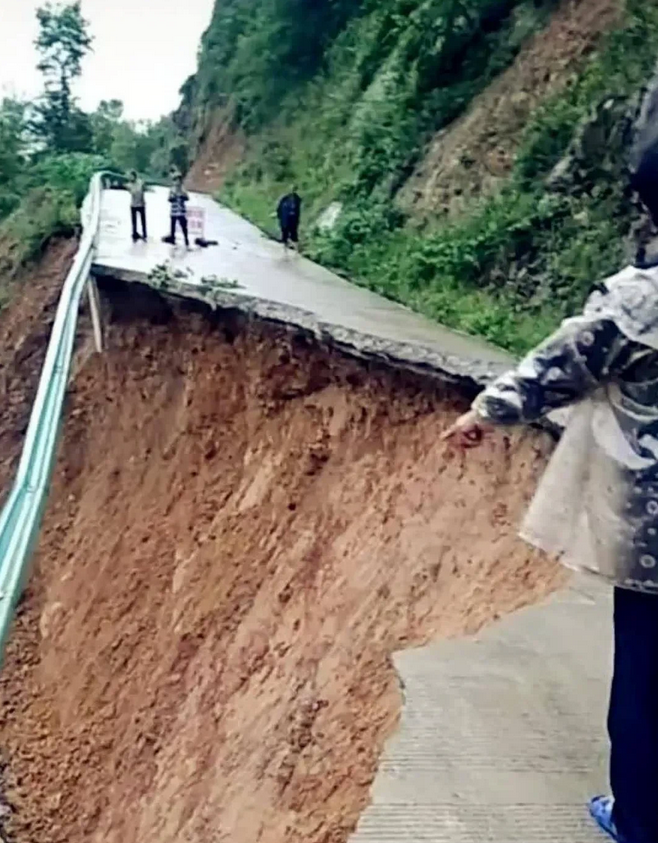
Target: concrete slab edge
{"points": [[415, 357]]}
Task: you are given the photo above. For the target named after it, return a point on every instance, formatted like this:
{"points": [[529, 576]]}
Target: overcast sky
{"points": [[143, 51]]}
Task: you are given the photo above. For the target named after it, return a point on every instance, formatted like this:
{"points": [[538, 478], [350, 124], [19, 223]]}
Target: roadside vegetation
{"points": [[342, 98], [50, 148]]}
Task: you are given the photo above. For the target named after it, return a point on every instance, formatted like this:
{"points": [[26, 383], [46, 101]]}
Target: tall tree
{"points": [[12, 152], [104, 123], [62, 43], [12, 139]]}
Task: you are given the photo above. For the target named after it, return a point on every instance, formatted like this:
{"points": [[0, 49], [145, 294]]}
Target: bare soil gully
{"points": [[243, 527]]}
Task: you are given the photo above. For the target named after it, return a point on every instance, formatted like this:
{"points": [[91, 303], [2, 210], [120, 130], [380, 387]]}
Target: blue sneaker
{"points": [[601, 810]]}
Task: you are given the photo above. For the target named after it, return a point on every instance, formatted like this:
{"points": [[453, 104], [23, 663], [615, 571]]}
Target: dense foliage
{"points": [[346, 109], [50, 148]]}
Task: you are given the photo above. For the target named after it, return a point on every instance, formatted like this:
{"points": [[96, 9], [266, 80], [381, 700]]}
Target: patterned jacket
{"points": [[178, 199], [597, 505]]}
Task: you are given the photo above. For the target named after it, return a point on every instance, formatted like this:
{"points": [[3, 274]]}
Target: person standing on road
{"points": [[597, 505], [137, 205], [289, 212], [178, 199]]}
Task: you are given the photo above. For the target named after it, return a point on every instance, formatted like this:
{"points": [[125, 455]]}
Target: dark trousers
{"points": [[135, 214], [182, 221], [633, 717], [289, 231]]}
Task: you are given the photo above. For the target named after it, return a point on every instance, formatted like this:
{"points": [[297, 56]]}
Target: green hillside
{"points": [[344, 98]]}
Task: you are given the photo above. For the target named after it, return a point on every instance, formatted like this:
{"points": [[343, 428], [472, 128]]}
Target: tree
{"points": [[167, 147], [12, 153], [130, 149], [12, 139], [62, 43], [104, 123]]}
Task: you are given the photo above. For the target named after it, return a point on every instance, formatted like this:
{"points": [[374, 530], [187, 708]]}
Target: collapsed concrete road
{"points": [[250, 520], [249, 271]]}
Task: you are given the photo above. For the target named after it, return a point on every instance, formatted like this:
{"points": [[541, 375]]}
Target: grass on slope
{"points": [[515, 264]]}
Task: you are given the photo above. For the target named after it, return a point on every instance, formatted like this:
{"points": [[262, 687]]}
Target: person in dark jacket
{"points": [[596, 508], [178, 199], [289, 213]]}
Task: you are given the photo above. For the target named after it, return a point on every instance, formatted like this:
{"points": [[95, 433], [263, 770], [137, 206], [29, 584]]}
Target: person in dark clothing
{"points": [[596, 508], [178, 199], [137, 205], [289, 213]]}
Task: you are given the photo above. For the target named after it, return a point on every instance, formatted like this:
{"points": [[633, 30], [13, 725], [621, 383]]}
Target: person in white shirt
{"points": [[137, 190]]}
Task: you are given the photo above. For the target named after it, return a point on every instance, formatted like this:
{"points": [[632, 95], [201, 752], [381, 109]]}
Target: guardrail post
{"points": [[95, 308]]}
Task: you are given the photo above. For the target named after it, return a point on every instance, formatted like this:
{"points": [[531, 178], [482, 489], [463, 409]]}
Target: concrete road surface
{"points": [[286, 286], [502, 737]]}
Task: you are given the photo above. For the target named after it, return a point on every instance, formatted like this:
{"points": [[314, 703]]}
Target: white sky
{"points": [[143, 51]]}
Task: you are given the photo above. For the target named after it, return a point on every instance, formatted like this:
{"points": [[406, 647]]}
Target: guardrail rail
{"points": [[22, 514]]}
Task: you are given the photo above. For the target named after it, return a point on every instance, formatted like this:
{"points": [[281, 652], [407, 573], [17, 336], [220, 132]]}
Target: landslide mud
{"points": [[25, 324], [243, 527]]}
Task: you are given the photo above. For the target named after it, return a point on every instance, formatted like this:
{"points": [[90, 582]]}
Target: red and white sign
{"points": [[196, 221]]}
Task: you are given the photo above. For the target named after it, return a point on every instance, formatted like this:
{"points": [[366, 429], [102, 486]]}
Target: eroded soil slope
{"points": [[25, 323], [242, 529], [220, 150], [476, 153]]}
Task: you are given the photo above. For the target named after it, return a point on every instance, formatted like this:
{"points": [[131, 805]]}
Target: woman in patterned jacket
{"points": [[597, 505]]}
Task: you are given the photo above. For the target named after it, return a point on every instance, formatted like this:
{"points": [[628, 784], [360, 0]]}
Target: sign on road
{"points": [[196, 221]]}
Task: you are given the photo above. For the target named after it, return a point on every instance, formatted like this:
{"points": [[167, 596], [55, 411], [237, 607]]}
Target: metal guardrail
{"points": [[21, 516]]}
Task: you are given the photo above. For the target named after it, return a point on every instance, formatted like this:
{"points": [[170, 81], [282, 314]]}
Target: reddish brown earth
{"points": [[243, 527], [219, 151], [24, 330]]}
